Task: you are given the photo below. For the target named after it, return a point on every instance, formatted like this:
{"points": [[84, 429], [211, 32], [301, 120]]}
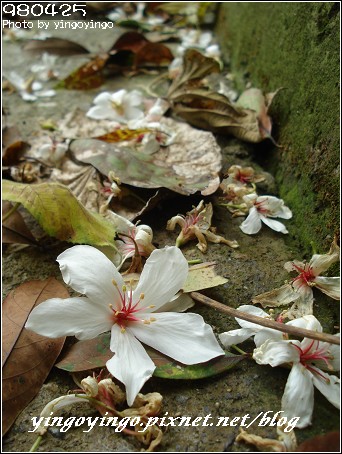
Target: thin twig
{"points": [[36, 444], [301, 332]]}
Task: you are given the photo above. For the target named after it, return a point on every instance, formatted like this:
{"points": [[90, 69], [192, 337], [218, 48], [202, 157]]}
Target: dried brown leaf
{"points": [[27, 357], [13, 147], [195, 67], [55, 46], [14, 229]]}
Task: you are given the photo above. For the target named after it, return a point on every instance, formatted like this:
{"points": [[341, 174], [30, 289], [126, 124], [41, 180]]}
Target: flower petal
{"points": [[130, 364], [69, 317], [329, 285], [330, 388], [321, 262], [252, 224], [298, 397], [277, 297], [307, 322], [273, 224], [276, 353], [236, 336], [184, 337], [90, 272], [252, 310], [164, 273]]}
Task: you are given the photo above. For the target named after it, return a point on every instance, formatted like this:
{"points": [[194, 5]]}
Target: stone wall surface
{"points": [[294, 45]]}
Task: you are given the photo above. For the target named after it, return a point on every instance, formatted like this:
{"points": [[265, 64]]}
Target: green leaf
{"points": [[94, 353], [167, 368], [60, 214]]}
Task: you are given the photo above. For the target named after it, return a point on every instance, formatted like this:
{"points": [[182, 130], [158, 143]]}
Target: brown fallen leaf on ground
{"points": [[247, 119], [191, 163], [27, 357], [14, 229], [13, 146], [55, 46]]}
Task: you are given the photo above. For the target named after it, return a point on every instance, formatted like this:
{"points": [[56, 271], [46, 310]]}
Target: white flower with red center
{"points": [[120, 106], [133, 316], [309, 274], [309, 359], [300, 288], [197, 224], [262, 209]]}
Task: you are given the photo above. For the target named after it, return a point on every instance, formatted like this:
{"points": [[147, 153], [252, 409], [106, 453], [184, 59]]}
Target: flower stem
{"points": [[36, 444], [195, 261], [239, 350], [300, 332]]}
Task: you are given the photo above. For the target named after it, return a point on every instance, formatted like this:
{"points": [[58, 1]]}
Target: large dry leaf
{"points": [[195, 67], [191, 163], [14, 229], [60, 214], [27, 357], [215, 112], [247, 119]]}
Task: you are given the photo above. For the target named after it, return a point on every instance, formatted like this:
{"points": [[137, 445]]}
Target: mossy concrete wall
{"points": [[295, 46]]}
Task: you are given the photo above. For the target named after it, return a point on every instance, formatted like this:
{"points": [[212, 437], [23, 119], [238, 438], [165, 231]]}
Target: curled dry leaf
{"points": [[191, 163], [60, 214], [13, 146], [27, 357], [55, 46], [247, 119], [87, 77], [195, 67]]}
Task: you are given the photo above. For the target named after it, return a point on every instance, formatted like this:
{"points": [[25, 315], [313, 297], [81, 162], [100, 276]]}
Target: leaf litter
{"points": [[103, 165]]}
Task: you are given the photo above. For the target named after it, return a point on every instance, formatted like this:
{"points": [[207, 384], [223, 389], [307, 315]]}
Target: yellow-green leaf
{"points": [[202, 276], [60, 214]]}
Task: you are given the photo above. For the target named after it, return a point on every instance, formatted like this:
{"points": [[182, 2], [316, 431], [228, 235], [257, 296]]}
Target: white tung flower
{"points": [[120, 106], [133, 316], [29, 90], [45, 69], [308, 358], [262, 209]]}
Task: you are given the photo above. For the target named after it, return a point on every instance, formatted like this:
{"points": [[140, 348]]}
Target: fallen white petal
{"points": [[184, 337], [131, 364], [330, 388], [163, 276], [252, 224], [298, 397], [273, 224], [78, 317], [329, 285], [90, 272]]}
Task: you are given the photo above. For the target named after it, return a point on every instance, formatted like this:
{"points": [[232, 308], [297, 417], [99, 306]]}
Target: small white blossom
{"points": [[262, 209], [120, 106], [29, 90], [133, 316]]}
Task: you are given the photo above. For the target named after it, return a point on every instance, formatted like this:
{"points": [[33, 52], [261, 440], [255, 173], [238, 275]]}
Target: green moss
{"points": [[295, 46]]}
